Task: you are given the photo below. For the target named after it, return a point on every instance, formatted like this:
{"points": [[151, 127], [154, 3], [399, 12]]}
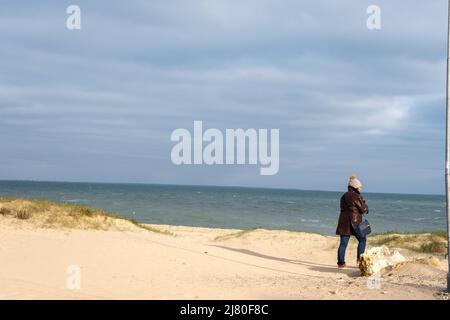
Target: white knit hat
{"points": [[354, 182]]}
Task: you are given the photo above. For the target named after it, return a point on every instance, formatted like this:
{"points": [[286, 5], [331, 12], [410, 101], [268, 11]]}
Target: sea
{"points": [[238, 207]]}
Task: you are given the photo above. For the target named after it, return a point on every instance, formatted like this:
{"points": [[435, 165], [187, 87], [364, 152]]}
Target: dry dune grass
{"points": [[237, 234], [47, 214], [427, 242]]}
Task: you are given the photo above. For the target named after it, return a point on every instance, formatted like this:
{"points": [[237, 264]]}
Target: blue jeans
{"points": [[344, 243]]}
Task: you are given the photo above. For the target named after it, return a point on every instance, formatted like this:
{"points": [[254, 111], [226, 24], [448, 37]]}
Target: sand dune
{"points": [[194, 263]]}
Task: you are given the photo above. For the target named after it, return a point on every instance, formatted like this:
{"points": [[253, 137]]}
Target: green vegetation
{"points": [[434, 247], [23, 214], [424, 242]]}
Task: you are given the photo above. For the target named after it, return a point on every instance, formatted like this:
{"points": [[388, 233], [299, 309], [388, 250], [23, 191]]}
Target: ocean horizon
{"points": [[238, 207]]}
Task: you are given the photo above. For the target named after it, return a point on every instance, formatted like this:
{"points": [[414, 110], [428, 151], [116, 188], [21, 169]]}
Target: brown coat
{"points": [[353, 207]]}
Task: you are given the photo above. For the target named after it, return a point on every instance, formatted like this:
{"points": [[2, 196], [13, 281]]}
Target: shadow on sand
{"points": [[350, 271]]}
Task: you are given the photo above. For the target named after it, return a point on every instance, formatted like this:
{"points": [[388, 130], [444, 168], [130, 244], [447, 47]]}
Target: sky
{"points": [[99, 104]]}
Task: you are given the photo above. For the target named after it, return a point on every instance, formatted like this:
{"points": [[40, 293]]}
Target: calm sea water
{"points": [[233, 207]]}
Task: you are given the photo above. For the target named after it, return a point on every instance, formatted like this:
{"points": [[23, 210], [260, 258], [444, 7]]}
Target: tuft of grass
{"points": [[150, 228], [434, 247], [156, 230], [386, 240], [82, 211], [23, 214], [436, 244], [426, 242], [5, 211], [238, 234]]}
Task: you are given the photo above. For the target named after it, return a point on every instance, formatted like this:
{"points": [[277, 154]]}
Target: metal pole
{"points": [[447, 149]]}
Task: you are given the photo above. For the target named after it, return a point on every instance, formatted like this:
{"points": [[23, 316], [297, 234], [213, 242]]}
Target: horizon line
{"points": [[208, 185]]}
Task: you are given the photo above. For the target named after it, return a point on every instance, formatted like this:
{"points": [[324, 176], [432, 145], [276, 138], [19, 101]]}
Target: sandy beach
{"points": [[129, 262]]}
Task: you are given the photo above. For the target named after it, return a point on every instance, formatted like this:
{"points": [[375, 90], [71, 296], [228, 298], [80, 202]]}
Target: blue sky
{"points": [[100, 103]]}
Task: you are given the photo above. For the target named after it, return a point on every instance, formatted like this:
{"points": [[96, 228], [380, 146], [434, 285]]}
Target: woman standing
{"points": [[353, 207]]}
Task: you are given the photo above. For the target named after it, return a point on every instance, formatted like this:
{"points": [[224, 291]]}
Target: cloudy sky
{"points": [[100, 103]]}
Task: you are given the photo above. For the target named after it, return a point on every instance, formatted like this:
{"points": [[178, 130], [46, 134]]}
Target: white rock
{"points": [[379, 258]]}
